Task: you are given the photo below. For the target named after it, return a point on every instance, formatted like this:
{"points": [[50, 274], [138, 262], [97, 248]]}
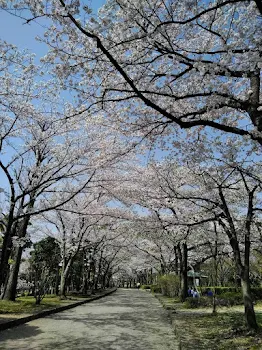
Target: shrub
{"points": [[256, 293], [145, 286], [225, 299], [225, 296], [170, 285], [155, 288], [193, 303], [223, 290], [230, 299]]}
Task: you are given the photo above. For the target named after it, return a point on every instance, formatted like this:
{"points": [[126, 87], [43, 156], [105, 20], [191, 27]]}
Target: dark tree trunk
{"points": [[6, 252], [215, 266], [57, 281], [182, 256], [5, 255], [248, 304], [10, 291], [7, 240], [176, 260], [63, 280], [184, 273]]}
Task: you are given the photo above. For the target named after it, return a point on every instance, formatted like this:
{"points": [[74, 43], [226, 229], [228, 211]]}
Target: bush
{"points": [[225, 296], [145, 286], [170, 285], [256, 293], [230, 299], [225, 299], [221, 290], [155, 288], [193, 303]]}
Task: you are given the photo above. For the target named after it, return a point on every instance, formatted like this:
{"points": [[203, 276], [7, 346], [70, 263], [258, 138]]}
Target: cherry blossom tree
{"points": [[229, 189], [216, 183], [49, 155], [72, 233], [153, 66]]}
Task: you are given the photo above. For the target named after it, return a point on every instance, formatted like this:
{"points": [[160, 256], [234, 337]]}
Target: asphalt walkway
{"points": [[126, 320]]}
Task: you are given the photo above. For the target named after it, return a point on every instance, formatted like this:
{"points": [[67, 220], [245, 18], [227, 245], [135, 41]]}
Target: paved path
{"points": [[126, 320]]}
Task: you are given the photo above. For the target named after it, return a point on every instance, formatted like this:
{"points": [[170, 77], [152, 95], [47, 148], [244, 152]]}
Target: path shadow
{"points": [[19, 332], [122, 341]]}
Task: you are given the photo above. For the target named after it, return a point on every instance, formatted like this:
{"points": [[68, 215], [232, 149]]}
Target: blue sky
{"points": [[15, 31]]}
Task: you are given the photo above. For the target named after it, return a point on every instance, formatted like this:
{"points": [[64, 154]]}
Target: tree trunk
{"points": [[6, 252], [7, 241], [57, 281], [182, 255], [176, 260], [184, 272], [215, 267], [10, 291], [84, 284], [248, 304], [62, 286], [64, 275]]}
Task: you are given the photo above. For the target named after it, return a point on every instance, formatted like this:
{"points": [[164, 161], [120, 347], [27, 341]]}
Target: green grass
{"points": [[199, 329], [27, 305]]}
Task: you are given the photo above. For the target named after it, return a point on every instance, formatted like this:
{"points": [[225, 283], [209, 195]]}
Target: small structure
{"points": [[195, 278]]}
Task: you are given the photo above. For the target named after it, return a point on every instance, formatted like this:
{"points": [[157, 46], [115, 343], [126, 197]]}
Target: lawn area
{"points": [[199, 329], [27, 305]]}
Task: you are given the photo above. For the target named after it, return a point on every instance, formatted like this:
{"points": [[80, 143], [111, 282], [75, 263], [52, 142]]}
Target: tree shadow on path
{"points": [[25, 331]]}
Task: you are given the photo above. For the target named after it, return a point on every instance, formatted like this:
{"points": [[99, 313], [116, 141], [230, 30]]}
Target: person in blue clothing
{"points": [[209, 293], [195, 293]]}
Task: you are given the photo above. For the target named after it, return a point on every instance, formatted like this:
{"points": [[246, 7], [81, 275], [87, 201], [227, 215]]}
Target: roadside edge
{"points": [[44, 313]]}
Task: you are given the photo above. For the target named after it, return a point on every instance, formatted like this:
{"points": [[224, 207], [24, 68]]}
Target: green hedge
{"points": [[170, 285], [225, 299], [256, 293], [230, 299], [221, 290]]}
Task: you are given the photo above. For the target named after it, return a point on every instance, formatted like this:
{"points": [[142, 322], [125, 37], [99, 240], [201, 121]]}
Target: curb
{"points": [[22, 320]]}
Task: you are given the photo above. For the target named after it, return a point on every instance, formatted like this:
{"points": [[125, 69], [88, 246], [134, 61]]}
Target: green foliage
{"points": [[231, 292], [44, 262], [221, 290], [155, 288], [230, 299], [169, 284], [256, 293], [145, 286], [224, 299], [46, 252], [27, 305], [11, 261], [193, 303]]}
